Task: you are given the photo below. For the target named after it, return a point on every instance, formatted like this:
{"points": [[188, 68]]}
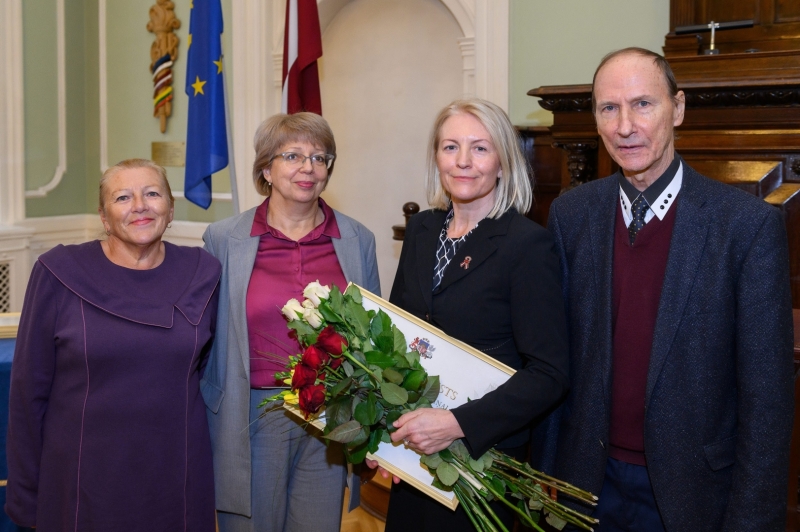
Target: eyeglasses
{"points": [[298, 159]]}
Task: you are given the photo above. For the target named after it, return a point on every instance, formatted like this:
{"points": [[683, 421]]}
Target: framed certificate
{"points": [[464, 374]]}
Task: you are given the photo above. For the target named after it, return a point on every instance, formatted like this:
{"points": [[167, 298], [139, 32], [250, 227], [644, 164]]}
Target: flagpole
{"points": [[229, 134]]}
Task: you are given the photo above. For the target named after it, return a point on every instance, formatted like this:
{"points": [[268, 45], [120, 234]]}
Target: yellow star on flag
{"points": [[198, 86], [188, 41], [219, 65]]}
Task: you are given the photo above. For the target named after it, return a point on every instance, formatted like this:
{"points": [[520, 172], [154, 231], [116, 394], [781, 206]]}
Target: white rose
{"points": [[312, 316], [291, 309], [307, 303], [315, 291]]}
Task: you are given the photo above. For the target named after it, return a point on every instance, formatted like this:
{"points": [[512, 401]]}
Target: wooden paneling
{"points": [[776, 25], [547, 163], [787, 11]]}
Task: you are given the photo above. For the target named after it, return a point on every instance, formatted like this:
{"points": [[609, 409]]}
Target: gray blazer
{"points": [[226, 383], [719, 396]]}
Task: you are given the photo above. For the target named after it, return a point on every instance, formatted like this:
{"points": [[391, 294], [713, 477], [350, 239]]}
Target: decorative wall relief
{"points": [[163, 53]]}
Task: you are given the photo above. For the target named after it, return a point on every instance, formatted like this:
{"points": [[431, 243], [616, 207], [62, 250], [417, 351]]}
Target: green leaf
{"points": [[399, 340], [446, 455], [535, 503], [336, 300], [400, 361], [329, 315], [432, 461], [414, 380], [555, 521], [353, 293], [305, 332], [383, 343], [386, 437], [487, 461], [338, 411], [393, 394], [360, 438], [359, 356], [381, 325], [432, 387], [391, 417], [498, 485], [412, 357], [367, 412], [422, 402], [346, 432], [476, 465], [413, 397], [381, 332], [380, 359], [375, 438], [447, 473], [459, 450], [439, 486], [348, 368], [356, 456], [341, 386], [393, 376], [358, 318]]}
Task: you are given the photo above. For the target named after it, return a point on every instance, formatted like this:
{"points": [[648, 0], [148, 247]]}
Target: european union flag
{"points": [[206, 138]]}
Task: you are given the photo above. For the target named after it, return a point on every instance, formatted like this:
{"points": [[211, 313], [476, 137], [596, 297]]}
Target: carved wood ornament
{"points": [[163, 53]]}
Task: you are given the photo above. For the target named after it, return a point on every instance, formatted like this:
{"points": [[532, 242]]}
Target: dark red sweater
{"points": [[638, 278]]}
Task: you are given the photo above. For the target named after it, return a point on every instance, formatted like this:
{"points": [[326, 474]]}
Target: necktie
{"points": [[638, 209]]}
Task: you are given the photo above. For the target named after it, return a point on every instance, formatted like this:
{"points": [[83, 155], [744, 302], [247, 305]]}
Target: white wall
{"points": [[388, 68]]}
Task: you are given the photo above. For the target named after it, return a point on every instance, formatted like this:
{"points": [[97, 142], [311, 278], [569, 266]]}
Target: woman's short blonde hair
{"points": [[281, 129], [514, 184], [131, 164]]}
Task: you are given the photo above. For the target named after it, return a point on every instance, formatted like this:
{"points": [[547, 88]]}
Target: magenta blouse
{"points": [[282, 269]]}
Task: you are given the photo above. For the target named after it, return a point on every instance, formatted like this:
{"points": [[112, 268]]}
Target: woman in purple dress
{"points": [[107, 429]]}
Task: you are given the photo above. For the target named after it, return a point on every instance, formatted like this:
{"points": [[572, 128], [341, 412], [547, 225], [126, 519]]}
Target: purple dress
{"points": [[107, 429]]}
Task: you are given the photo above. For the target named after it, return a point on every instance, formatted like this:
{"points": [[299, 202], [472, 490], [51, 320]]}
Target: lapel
{"points": [[242, 250], [602, 220], [686, 249], [348, 251], [478, 247], [427, 239]]}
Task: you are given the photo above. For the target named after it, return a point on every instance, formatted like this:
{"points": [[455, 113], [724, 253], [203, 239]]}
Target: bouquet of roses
{"points": [[356, 363]]}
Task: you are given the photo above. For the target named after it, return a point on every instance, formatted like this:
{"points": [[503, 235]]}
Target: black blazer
{"points": [[719, 395], [507, 303]]}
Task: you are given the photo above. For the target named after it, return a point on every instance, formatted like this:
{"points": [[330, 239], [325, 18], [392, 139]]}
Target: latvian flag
{"points": [[302, 46]]}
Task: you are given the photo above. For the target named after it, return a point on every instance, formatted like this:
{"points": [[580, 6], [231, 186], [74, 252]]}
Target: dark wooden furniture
{"points": [[776, 26]]}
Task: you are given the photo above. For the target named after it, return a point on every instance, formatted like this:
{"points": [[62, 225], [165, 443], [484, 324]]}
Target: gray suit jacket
{"points": [[719, 395], [226, 383]]}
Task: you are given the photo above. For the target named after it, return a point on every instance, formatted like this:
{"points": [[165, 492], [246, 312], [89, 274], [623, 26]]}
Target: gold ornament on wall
{"points": [[163, 53]]}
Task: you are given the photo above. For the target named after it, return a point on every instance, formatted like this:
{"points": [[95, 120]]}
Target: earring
{"points": [[169, 225], [269, 183], [108, 232]]}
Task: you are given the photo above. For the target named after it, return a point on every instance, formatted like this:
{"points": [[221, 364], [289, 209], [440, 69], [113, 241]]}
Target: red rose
{"points": [[303, 376], [331, 342], [336, 362], [314, 357], [311, 398]]}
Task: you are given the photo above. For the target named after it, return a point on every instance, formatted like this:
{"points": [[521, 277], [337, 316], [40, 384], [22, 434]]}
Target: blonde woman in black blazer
{"points": [[478, 269]]}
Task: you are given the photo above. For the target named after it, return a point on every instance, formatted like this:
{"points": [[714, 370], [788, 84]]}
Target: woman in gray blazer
{"points": [[271, 474]]}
